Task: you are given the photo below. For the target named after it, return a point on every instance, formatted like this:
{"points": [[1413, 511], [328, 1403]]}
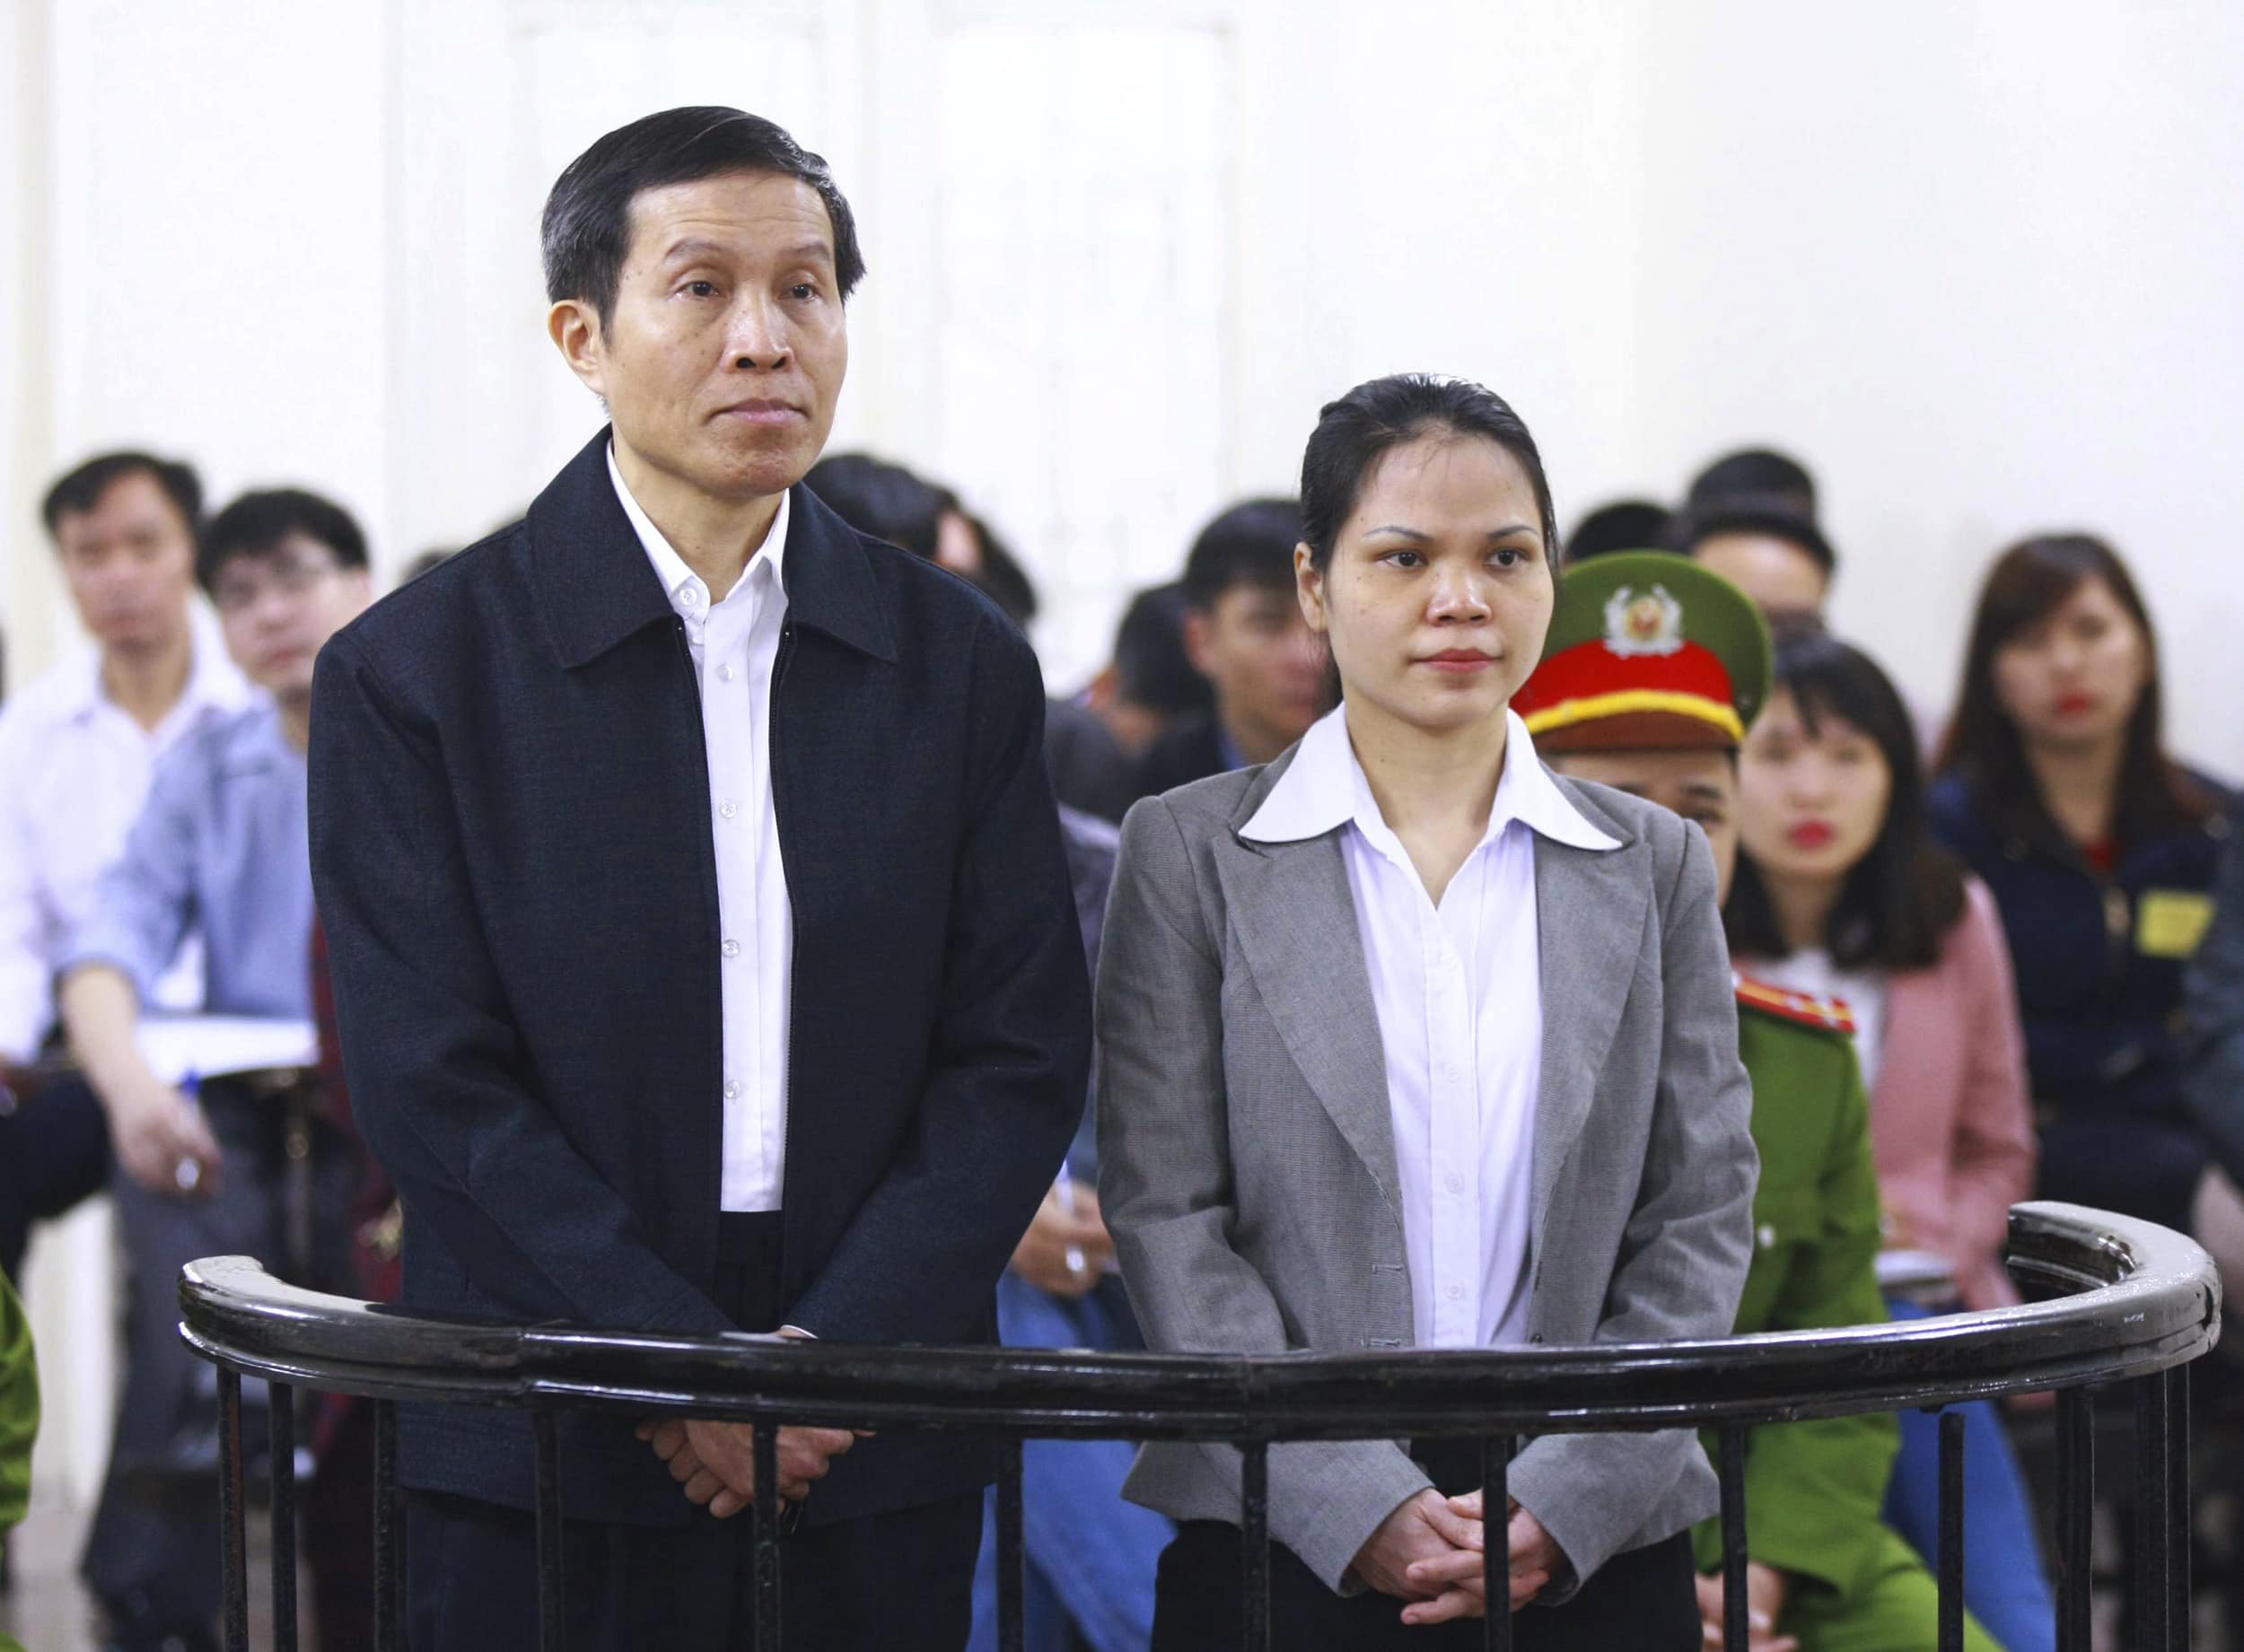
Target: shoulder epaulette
{"points": [[1826, 1014]]}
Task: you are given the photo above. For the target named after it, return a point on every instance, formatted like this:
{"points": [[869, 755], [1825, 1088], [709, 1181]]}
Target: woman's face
{"points": [[1810, 806], [2073, 676], [1439, 589]]}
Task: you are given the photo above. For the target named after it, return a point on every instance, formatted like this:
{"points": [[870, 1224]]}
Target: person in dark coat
{"points": [[2101, 851], [704, 952]]}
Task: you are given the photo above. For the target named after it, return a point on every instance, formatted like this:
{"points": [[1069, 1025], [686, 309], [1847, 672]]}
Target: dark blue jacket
{"points": [[2100, 1011], [2215, 1003], [512, 848]]}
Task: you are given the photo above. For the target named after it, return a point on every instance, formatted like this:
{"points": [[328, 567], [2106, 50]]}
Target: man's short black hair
{"points": [[885, 499], [80, 490], [1774, 518], [1624, 525], [255, 524], [1755, 473], [1150, 666], [586, 231], [1250, 543]]}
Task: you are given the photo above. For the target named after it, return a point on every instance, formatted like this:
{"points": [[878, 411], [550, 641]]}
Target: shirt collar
{"points": [[1324, 787], [671, 568]]}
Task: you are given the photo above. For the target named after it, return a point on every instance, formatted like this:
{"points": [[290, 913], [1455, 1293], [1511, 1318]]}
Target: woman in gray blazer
{"points": [[1407, 1042]]}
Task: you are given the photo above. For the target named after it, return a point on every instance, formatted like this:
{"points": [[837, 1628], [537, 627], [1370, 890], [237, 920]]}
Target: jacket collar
{"points": [[598, 587], [1324, 788]]}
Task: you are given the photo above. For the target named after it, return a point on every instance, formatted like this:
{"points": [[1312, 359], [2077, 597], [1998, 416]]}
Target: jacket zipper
{"points": [[779, 828], [714, 916]]}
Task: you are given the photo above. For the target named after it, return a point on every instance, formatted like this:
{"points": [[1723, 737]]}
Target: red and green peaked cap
{"points": [[1646, 649]]}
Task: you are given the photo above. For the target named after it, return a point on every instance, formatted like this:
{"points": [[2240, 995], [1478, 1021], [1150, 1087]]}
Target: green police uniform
{"points": [[1649, 652], [19, 1416]]}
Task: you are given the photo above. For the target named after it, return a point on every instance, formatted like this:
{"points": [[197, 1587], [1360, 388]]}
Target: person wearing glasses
{"points": [[220, 851]]}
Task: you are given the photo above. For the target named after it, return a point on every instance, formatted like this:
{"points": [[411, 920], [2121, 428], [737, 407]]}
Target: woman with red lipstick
{"points": [[1842, 892], [2101, 851]]}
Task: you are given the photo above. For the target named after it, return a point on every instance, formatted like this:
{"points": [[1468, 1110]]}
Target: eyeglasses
{"points": [[237, 591]]}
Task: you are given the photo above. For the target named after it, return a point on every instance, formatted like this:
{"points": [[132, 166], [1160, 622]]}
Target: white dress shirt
{"points": [[735, 645], [1458, 990], [74, 772]]}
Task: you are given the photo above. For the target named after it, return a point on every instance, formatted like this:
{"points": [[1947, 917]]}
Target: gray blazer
{"points": [[1247, 1157]]}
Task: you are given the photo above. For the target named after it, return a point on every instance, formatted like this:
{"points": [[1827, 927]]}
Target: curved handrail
{"points": [[2140, 1299]]}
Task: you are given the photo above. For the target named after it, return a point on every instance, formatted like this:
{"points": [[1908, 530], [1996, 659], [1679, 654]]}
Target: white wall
{"points": [[1979, 260]]}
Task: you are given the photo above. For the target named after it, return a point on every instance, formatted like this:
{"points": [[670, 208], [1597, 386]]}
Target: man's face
{"points": [[1254, 646], [1698, 785], [725, 356], [279, 608], [129, 562], [1784, 582]]}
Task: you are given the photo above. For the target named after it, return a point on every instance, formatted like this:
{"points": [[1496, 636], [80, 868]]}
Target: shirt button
{"points": [[1455, 1183], [732, 1089], [728, 809], [690, 596], [732, 949], [724, 673], [1457, 1293]]}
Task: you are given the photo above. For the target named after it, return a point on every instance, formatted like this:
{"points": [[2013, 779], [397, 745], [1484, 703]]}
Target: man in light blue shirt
{"points": [[220, 850]]}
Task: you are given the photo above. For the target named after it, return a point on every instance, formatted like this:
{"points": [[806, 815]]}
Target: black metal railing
{"points": [[2111, 1301]]}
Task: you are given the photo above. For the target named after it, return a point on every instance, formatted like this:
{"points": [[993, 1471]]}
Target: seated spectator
{"points": [[19, 1419], [896, 504], [1624, 525], [2056, 791], [1842, 896], [75, 751], [1091, 1557], [220, 847], [1094, 742], [2214, 998], [1765, 547], [1651, 670], [1841, 893], [1755, 473], [1245, 634]]}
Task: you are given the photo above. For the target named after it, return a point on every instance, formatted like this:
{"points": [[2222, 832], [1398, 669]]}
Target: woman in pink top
{"points": [[1841, 891]]}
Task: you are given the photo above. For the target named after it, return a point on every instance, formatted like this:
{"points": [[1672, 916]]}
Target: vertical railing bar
{"points": [[2153, 1534], [1012, 1598], [1254, 1544], [2076, 1519], [1951, 1530], [768, 1604], [280, 1419], [232, 1518], [553, 1583], [389, 1533], [2178, 1525], [1735, 1629], [1495, 1555]]}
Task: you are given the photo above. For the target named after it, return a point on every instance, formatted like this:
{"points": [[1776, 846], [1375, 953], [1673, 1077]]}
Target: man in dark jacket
{"points": [[704, 951]]}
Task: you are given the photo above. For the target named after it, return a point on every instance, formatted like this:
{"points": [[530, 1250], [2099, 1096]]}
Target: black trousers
{"points": [[1642, 1601], [896, 1582]]}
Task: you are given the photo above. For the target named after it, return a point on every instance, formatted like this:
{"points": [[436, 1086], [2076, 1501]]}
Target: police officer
{"points": [[1651, 670]]}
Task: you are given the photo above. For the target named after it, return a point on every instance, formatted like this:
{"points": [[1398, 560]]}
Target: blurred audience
{"points": [[2100, 850], [893, 503], [1094, 741], [2214, 1001], [1243, 631], [1766, 547], [1842, 892], [1842, 896], [1624, 525], [1758, 474], [220, 846], [76, 749]]}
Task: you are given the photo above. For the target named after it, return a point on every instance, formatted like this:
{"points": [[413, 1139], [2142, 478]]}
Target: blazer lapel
{"points": [[1295, 920], [1589, 915]]}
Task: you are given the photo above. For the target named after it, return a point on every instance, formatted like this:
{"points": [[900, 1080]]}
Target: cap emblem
{"points": [[1641, 622]]}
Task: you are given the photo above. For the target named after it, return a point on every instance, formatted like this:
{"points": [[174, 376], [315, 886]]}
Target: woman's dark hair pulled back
{"points": [[1903, 896], [1360, 429]]}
